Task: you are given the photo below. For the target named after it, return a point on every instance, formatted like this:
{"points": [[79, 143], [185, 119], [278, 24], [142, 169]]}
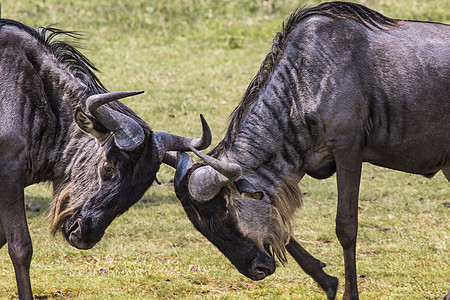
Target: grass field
{"points": [[196, 57]]}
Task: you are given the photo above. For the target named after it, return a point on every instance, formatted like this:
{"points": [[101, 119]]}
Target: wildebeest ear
{"points": [[247, 189], [89, 125]]}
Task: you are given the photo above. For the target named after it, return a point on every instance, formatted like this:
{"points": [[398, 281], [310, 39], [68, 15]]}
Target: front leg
{"points": [[348, 172], [15, 233], [313, 268]]}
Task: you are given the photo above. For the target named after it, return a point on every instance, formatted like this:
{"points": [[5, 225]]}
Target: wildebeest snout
{"points": [[75, 232], [261, 267]]}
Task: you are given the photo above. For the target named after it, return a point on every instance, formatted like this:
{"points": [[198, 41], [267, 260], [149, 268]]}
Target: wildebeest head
{"points": [[120, 166], [234, 215]]}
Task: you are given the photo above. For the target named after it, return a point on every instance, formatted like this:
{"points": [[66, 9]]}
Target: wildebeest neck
{"points": [[54, 79], [51, 79], [268, 162]]}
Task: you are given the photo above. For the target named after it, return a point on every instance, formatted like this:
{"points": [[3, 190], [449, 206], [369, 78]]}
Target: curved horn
{"points": [[170, 158], [206, 182], [231, 171], [128, 134], [183, 162], [95, 101], [172, 142]]}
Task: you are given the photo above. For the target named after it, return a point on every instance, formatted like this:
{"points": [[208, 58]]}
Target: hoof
{"points": [[332, 290]]}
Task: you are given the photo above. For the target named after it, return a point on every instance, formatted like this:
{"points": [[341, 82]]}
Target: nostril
{"points": [[75, 233], [74, 226], [261, 272], [262, 266]]}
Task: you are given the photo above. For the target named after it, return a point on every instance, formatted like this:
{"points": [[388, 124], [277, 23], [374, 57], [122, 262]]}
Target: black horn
{"points": [[230, 170], [183, 162], [171, 142], [205, 182], [128, 134]]}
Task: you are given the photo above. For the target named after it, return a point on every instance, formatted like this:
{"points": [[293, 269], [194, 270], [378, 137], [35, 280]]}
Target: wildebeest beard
{"points": [[284, 203], [283, 206], [61, 208]]}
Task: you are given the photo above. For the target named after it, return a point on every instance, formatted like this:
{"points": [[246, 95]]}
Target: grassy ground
{"points": [[196, 57]]}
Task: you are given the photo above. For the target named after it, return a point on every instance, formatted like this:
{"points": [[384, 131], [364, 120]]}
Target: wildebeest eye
{"points": [[225, 215], [107, 170]]}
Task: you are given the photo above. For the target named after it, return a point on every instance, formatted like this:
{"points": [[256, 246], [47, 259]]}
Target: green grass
{"points": [[196, 57]]}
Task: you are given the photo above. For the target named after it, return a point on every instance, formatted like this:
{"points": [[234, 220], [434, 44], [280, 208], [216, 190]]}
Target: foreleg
{"points": [[15, 233], [447, 175], [348, 172], [314, 268]]}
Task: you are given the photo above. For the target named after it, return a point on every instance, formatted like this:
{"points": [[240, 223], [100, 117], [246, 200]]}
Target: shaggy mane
{"points": [[80, 66], [341, 10]]}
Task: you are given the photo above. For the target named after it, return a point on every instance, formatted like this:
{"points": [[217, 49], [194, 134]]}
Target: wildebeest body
{"points": [[342, 85], [41, 84], [58, 124]]}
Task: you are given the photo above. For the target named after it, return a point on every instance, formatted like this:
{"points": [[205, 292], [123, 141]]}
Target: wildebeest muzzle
{"points": [[76, 232]]}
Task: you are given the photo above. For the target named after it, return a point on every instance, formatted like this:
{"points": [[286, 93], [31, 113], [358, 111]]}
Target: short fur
{"points": [[341, 86]]}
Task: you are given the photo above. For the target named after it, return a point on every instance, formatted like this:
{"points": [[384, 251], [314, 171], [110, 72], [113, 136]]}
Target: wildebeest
{"points": [[58, 124], [342, 85]]}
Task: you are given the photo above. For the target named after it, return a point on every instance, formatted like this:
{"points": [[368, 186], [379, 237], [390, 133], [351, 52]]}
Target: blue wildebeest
{"points": [[341, 86], [58, 124]]}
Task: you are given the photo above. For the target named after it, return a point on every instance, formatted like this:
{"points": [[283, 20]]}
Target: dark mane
{"points": [[341, 10], [78, 64]]}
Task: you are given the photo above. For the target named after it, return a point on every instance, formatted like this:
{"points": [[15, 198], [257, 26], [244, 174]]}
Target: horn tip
{"points": [[134, 93]]}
